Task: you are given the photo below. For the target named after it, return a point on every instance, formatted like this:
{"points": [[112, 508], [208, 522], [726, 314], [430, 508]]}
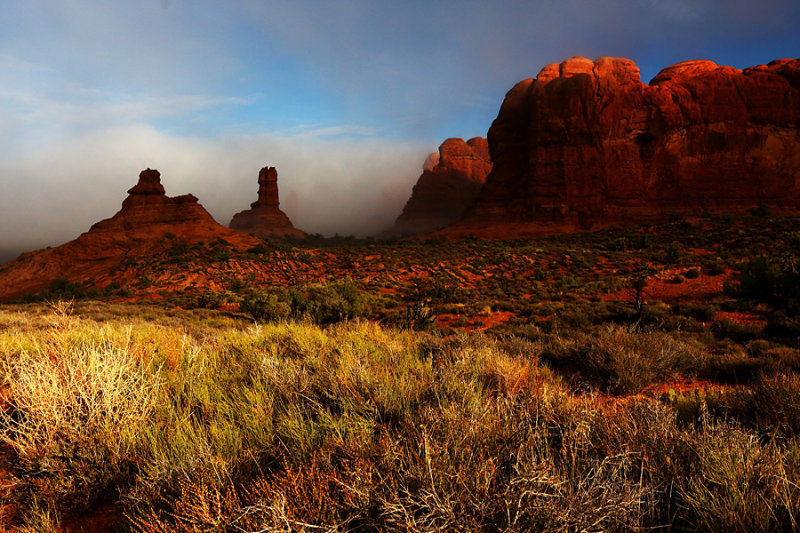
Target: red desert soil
{"points": [[662, 391], [480, 322], [662, 287]]}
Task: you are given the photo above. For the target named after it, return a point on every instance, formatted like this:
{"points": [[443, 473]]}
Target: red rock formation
{"points": [[587, 143], [148, 207], [264, 218], [448, 186], [148, 222]]}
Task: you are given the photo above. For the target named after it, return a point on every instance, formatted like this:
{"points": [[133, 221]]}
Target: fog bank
{"points": [[326, 186]]}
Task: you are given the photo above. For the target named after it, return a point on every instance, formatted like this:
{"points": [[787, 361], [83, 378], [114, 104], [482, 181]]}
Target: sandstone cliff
{"points": [[264, 218], [587, 143], [451, 180]]}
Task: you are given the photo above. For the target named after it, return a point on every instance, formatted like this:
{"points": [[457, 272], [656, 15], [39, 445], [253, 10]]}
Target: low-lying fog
{"points": [[347, 187]]}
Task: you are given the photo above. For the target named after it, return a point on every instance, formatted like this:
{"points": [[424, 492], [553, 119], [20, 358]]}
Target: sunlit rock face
{"points": [[451, 180], [587, 142], [264, 218]]}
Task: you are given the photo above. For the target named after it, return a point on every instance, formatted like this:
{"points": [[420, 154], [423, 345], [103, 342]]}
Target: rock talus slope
{"points": [[588, 143]]}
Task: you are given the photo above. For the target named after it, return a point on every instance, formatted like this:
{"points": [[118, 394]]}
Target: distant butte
{"points": [[148, 221], [587, 143], [451, 180], [264, 218], [148, 209]]}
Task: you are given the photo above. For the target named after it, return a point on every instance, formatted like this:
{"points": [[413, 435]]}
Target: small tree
{"points": [[638, 289]]}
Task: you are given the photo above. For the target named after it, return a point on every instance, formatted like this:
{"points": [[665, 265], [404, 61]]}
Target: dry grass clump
{"points": [[287, 427], [77, 403], [624, 360], [740, 484]]}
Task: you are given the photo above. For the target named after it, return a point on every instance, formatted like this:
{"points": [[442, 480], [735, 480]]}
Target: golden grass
{"points": [[288, 427]]}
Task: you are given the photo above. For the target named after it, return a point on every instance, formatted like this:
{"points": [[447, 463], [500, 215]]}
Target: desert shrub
{"points": [[761, 211], [176, 252], [739, 484], [63, 289], [623, 360], [715, 268], [437, 289], [728, 329], [541, 274], [736, 367], [77, 417], [258, 249], [326, 303], [209, 300], [692, 273], [699, 312], [322, 303], [769, 280], [264, 307], [638, 241], [770, 405], [673, 253]]}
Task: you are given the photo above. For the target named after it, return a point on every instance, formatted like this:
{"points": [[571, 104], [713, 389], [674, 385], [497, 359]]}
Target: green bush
{"points": [[326, 303], [264, 308]]}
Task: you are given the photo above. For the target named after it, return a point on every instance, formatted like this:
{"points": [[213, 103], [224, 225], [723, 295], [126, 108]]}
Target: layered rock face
{"points": [[264, 218], [588, 143], [448, 186]]}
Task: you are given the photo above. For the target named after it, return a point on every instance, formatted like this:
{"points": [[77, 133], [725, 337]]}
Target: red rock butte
{"points": [[264, 218], [147, 208], [588, 143], [451, 180], [148, 221]]}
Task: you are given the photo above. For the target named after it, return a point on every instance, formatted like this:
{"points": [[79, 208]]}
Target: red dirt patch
{"points": [[481, 322], [743, 319], [662, 287]]}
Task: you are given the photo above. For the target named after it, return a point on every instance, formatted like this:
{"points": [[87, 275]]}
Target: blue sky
{"points": [[344, 98]]}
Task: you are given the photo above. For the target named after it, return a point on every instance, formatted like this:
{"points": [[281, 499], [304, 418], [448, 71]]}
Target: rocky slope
{"points": [[264, 218], [588, 143], [148, 222], [451, 180]]}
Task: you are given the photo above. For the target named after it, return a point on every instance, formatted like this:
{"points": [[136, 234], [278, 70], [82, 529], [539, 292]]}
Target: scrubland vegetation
{"points": [[194, 422], [611, 397]]}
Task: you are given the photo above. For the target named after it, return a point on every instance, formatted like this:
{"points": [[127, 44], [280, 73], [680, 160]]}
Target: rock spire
{"points": [[264, 218]]}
